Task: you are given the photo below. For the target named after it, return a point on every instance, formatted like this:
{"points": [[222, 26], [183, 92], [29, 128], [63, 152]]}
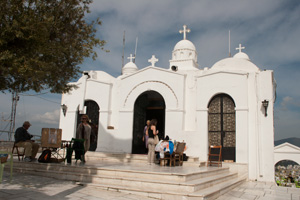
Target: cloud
{"points": [[286, 102], [48, 117]]}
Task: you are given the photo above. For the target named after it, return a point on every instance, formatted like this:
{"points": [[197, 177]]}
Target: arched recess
{"points": [[286, 172], [221, 125], [149, 105], [170, 97], [92, 111]]}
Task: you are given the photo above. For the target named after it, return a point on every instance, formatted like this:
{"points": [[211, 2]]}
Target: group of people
{"points": [[153, 145], [24, 139]]}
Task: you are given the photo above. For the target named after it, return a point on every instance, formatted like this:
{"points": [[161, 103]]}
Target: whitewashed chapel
{"points": [[228, 104]]}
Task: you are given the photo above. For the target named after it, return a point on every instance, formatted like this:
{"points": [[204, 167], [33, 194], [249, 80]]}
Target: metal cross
{"points": [[240, 48], [153, 60], [130, 57], [184, 31]]}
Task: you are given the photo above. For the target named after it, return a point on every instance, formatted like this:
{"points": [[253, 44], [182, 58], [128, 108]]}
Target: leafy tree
{"points": [[42, 42]]}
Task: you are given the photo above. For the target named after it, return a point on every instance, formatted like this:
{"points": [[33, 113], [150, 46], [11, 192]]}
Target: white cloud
{"points": [[51, 117], [286, 102]]}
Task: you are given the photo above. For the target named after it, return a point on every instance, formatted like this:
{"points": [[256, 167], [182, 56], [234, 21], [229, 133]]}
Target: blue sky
{"points": [[269, 30]]}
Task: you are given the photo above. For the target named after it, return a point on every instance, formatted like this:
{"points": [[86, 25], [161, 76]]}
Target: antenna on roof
{"points": [[136, 42], [123, 49], [229, 44]]}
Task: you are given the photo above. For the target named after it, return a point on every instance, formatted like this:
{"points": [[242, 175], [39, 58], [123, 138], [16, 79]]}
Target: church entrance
{"points": [[149, 105], [221, 125], [92, 111]]}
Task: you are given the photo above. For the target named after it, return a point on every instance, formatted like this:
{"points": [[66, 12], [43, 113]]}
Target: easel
{"points": [[51, 139]]}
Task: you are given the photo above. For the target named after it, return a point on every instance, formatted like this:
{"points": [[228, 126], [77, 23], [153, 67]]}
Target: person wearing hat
{"points": [[23, 139]]}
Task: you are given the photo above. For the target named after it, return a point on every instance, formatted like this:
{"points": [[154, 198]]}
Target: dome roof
{"points": [[242, 55], [236, 64], [129, 68], [184, 44]]}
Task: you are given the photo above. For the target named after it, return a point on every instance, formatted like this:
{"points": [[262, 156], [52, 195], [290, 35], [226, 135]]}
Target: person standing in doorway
{"points": [[23, 139], [84, 132], [151, 132], [145, 136]]}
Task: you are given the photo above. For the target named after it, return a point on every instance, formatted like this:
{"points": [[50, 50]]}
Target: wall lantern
{"points": [[265, 104], [64, 108]]}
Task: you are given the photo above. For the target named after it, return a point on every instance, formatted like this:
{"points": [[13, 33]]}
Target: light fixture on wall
{"points": [[64, 108], [265, 104]]}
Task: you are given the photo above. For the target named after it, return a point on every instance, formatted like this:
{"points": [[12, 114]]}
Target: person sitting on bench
{"points": [[23, 139]]}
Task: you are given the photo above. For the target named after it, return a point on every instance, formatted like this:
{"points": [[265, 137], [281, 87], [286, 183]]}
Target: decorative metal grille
{"points": [[221, 119]]}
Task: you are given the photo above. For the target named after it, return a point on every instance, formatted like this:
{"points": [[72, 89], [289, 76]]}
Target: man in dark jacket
{"points": [[23, 139]]}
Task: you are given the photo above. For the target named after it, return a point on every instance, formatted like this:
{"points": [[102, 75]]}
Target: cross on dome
{"points": [[130, 57], [184, 31], [240, 48], [153, 60]]}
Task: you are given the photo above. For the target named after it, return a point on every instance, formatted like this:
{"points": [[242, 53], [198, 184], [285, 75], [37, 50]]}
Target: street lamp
{"points": [[64, 108], [265, 104]]}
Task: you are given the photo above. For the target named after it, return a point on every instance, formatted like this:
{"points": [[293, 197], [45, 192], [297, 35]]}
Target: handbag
{"points": [[156, 140]]}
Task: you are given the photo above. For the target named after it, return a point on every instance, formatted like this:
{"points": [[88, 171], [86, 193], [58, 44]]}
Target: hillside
{"points": [[293, 140]]}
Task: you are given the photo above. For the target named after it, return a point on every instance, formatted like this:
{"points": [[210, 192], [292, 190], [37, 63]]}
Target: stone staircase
{"points": [[132, 158], [130, 173]]}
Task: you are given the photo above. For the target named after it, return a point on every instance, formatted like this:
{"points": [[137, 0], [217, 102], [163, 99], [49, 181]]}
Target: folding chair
{"points": [[215, 156], [178, 154], [76, 145], [19, 153]]}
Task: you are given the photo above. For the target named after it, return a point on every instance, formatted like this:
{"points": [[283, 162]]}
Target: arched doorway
{"points": [[149, 105], [287, 173], [221, 125], [92, 110]]}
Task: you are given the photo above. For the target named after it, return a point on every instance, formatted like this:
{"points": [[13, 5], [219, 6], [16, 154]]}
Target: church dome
{"points": [[185, 44], [184, 50], [129, 68], [242, 55], [239, 62], [236, 64]]}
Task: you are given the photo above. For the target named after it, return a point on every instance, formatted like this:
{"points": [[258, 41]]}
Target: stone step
{"points": [[127, 158], [157, 185], [204, 194], [140, 171], [102, 170]]}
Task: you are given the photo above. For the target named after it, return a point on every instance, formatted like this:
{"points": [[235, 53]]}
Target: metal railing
{"points": [[7, 136]]}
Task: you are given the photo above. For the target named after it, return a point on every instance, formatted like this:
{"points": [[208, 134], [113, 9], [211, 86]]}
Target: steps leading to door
{"points": [[150, 180]]}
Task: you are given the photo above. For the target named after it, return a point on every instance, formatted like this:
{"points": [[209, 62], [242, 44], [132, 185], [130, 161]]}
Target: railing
{"points": [[6, 136]]}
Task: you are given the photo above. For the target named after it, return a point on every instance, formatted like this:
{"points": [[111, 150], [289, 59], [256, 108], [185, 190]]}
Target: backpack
{"points": [[45, 157]]}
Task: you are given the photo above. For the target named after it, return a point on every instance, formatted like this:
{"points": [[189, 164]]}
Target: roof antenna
{"points": [[123, 49], [136, 42], [229, 44]]}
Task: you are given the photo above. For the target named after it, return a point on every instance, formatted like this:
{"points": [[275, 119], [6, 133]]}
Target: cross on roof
{"points": [[153, 60], [184, 31], [130, 57], [240, 48]]}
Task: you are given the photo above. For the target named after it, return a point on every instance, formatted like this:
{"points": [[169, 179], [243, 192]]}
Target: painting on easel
{"points": [[51, 138]]}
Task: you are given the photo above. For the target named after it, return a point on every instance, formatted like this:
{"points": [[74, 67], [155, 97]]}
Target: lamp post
{"points": [[64, 108], [265, 104]]}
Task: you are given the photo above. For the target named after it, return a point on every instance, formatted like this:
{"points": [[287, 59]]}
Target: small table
{"points": [[10, 161]]}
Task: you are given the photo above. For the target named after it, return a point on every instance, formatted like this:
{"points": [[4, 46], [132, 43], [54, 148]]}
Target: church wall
{"points": [[168, 84], [254, 166], [98, 92], [234, 85], [174, 124], [267, 125], [72, 100]]}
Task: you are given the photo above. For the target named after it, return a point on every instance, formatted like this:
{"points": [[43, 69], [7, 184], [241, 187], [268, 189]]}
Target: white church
{"points": [[229, 104]]}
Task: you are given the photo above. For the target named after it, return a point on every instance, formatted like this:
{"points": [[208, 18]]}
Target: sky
{"points": [[268, 29]]}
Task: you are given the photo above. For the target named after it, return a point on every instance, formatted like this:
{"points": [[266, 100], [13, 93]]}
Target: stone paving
{"points": [[30, 187]]}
